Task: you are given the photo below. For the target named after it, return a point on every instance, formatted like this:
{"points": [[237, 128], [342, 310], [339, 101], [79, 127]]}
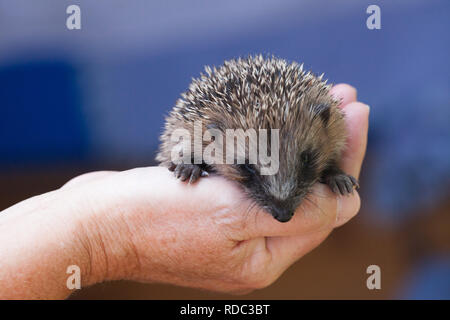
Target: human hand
{"points": [[145, 225]]}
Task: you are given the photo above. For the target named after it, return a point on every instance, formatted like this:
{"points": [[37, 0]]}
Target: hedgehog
{"points": [[261, 93]]}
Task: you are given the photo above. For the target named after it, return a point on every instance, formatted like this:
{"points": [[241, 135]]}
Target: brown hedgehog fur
{"points": [[265, 93]]}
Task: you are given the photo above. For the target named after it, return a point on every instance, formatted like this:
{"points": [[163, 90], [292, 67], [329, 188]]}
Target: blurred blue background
{"points": [[98, 96]]}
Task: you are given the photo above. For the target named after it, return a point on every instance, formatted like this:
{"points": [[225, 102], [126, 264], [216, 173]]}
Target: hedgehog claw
{"points": [[188, 171], [341, 183], [204, 173], [172, 167]]}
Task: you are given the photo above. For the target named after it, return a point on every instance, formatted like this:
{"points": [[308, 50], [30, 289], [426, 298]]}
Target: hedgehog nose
{"points": [[282, 214]]}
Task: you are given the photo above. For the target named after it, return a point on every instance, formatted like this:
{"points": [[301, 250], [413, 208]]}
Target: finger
{"points": [[344, 93], [287, 250], [86, 177], [316, 213], [347, 207], [357, 120]]}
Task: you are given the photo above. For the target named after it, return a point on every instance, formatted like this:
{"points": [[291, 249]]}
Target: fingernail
{"points": [[347, 207]]}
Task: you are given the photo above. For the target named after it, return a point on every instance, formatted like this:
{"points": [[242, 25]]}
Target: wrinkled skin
{"points": [[145, 225]]}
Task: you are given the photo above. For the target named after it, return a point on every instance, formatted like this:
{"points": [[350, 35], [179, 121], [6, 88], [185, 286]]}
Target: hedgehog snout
{"points": [[282, 212]]}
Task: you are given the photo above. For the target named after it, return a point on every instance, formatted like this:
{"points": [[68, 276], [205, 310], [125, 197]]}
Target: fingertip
{"points": [[345, 93], [357, 115], [357, 119]]}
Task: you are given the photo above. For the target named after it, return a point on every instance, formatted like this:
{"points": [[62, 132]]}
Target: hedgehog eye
{"points": [[305, 157]]}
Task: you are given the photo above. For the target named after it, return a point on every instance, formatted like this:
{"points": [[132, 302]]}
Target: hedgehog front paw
{"points": [[184, 171], [341, 183]]}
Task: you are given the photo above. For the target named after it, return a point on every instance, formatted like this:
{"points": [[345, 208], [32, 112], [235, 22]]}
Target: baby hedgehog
{"points": [[264, 93]]}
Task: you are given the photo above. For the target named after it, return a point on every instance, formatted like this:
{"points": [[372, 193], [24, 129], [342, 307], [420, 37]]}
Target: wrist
{"points": [[39, 242], [44, 235]]}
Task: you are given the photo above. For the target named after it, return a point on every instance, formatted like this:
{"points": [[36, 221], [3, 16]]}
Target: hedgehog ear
{"points": [[323, 111]]}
